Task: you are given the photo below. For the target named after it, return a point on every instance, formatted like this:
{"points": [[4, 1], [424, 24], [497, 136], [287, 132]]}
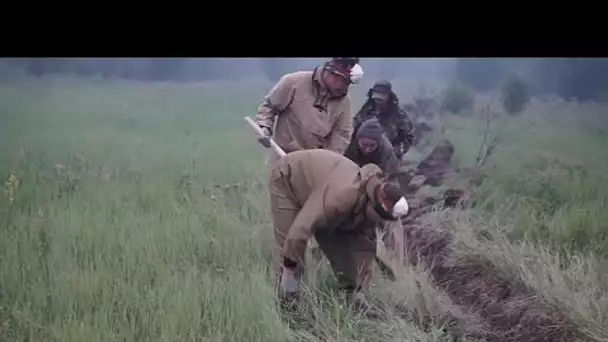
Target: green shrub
{"points": [[456, 98], [515, 95]]}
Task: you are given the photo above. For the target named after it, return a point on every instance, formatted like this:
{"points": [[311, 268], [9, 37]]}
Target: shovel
{"points": [[279, 151]]}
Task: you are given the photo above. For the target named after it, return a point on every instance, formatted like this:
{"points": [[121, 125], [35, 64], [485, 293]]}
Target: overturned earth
{"points": [[509, 310]]}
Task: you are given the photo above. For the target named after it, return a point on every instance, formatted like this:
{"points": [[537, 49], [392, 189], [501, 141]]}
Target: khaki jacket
{"points": [[332, 192], [289, 111]]}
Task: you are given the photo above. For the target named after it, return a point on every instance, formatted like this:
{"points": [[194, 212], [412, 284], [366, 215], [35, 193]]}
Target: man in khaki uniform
{"points": [[310, 109], [322, 194]]}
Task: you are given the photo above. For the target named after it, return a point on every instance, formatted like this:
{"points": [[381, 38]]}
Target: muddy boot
{"points": [[288, 304], [360, 304]]}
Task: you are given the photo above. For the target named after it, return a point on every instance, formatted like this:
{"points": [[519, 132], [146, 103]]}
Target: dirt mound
{"points": [[511, 311]]}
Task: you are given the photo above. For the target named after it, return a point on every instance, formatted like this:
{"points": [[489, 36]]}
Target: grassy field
{"points": [[138, 212]]}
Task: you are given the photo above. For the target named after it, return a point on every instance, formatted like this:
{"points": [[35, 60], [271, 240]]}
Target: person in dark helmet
{"points": [[310, 109], [383, 104]]}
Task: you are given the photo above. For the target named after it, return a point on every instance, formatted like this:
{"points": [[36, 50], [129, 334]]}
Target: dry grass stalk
{"points": [[489, 143]]}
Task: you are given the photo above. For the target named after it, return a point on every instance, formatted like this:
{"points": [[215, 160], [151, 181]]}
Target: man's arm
{"points": [[317, 212], [342, 131], [390, 162], [405, 129], [351, 150], [275, 102]]}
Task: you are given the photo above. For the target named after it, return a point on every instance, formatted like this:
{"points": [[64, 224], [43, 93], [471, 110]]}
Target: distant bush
{"points": [[515, 95], [456, 98]]}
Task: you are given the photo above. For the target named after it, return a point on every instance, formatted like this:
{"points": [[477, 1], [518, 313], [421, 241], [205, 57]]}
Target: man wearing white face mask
{"points": [[322, 194], [310, 109]]}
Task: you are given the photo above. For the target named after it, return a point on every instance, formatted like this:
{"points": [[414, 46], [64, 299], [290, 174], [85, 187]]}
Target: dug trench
{"points": [[509, 309]]}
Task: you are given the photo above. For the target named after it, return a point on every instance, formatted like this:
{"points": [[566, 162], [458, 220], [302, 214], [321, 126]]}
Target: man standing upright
{"points": [[311, 109]]}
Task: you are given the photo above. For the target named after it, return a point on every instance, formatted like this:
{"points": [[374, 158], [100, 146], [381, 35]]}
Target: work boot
{"points": [[360, 304], [288, 288]]}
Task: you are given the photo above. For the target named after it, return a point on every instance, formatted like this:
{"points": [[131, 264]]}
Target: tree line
{"points": [[580, 78], [570, 78], [204, 69]]}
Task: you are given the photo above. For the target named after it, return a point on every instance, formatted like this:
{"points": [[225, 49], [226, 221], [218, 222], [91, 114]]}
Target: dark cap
{"points": [[382, 87], [371, 128], [340, 66], [346, 62]]}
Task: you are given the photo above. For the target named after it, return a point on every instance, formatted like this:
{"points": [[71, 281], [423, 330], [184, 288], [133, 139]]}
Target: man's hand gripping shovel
{"points": [[277, 149]]}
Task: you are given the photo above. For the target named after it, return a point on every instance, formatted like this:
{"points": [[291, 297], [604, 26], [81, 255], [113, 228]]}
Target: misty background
{"points": [[581, 79]]}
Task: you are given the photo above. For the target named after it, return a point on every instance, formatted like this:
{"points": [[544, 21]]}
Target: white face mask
{"points": [[401, 208], [356, 73]]}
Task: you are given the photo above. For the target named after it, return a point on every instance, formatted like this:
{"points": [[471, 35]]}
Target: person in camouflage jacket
{"points": [[383, 104]]}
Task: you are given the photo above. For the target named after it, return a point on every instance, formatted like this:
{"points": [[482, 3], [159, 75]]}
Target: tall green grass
{"points": [[138, 212]]}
